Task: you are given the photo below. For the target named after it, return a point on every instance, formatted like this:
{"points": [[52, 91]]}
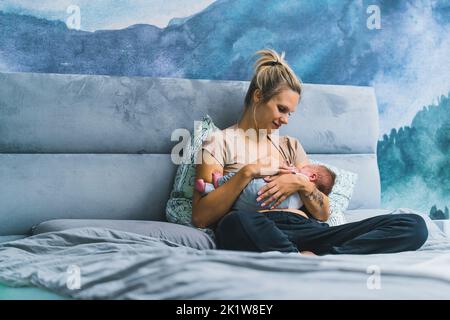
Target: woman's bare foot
{"points": [[307, 253]]}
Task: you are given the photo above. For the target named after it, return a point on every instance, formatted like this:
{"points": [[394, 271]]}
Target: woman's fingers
{"points": [[271, 171], [284, 165], [286, 171], [274, 197], [266, 191], [291, 169], [273, 200], [270, 178], [279, 201], [267, 171]]}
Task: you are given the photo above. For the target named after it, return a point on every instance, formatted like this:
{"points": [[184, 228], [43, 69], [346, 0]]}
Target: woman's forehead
{"points": [[287, 98]]}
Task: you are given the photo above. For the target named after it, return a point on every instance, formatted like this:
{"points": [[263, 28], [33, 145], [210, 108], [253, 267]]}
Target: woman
{"points": [[274, 94]]}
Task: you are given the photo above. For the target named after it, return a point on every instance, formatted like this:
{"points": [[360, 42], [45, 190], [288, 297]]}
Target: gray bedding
{"points": [[115, 264]]}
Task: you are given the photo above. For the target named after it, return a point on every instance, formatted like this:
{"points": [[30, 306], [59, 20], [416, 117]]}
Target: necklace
{"points": [[279, 150], [283, 154]]}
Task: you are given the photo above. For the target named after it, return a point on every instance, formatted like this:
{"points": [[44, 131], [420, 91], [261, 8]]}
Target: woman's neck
{"points": [[246, 121]]}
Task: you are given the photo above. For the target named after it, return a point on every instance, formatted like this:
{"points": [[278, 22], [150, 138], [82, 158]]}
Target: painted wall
{"points": [[399, 47]]}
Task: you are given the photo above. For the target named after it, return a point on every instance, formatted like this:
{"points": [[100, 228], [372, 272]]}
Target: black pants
{"points": [[289, 232]]}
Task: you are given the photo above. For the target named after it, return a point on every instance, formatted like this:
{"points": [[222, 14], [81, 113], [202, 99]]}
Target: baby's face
{"points": [[309, 170]]}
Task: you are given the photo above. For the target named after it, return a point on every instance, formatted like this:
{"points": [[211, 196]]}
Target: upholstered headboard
{"points": [[91, 146]]}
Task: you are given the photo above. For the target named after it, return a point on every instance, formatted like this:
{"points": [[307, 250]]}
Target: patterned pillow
{"points": [[341, 193], [179, 205]]}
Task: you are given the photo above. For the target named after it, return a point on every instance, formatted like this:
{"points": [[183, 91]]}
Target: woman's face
{"points": [[275, 113]]}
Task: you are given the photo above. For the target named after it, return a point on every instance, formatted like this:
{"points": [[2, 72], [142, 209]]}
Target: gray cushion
{"points": [[183, 235], [105, 114], [41, 187]]}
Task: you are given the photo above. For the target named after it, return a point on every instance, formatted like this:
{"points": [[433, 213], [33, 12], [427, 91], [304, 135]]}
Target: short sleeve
{"points": [[215, 146], [299, 154]]}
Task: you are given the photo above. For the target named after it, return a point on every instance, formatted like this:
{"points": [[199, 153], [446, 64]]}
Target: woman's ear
{"points": [[257, 96]]}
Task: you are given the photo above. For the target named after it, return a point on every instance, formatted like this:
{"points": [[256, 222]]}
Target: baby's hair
{"points": [[272, 74], [326, 179]]}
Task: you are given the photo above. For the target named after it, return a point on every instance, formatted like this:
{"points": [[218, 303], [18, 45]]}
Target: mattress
{"points": [[100, 263]]}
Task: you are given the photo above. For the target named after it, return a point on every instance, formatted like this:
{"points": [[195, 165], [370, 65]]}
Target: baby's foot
{"points": [[215, 178], [200, 185]]}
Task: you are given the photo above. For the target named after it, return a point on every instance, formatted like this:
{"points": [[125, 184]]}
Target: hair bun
{"points": [[271, 80], [271, 63], [268, 57]]}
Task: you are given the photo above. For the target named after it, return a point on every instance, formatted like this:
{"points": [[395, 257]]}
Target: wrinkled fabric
{"points": [[120, 265]]}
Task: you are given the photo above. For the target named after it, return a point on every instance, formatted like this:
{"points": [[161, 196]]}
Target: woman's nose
{"points": [[284, 120]]}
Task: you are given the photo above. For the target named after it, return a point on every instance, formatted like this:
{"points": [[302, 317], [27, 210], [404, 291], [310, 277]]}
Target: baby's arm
{"points": [[222, 179]]}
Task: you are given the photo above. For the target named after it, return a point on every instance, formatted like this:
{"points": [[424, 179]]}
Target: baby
{"points": [[320, 175]]}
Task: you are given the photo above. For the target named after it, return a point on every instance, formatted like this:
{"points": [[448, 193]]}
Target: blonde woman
{"points": [[273, 95]]}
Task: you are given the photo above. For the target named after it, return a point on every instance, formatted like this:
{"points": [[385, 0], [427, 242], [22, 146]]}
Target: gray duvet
{"points": [[97, 263]]}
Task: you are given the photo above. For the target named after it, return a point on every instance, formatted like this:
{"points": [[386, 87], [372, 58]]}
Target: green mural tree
{"points": [[437, 214], [414, 161]]}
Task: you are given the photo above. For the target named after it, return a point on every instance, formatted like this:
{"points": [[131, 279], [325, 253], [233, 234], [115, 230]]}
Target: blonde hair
{"points": [[271, 75]]}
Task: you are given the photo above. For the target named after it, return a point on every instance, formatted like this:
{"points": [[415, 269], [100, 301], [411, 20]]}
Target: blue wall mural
{"points": [[399, 47]]}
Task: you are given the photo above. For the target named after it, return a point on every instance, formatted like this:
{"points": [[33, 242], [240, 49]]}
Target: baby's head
{"points": [[321, 176]]}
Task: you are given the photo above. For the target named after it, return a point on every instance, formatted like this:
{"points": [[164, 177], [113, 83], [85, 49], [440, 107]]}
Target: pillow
{"points": [[179, 234], [341, 193], [179, 205]]}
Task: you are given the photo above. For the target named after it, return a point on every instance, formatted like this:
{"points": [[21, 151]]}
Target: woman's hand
{"points": [[280, 187], [264, 167]]}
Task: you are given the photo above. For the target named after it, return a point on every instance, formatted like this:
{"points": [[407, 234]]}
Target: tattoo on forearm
{"points": [[317, 196]]}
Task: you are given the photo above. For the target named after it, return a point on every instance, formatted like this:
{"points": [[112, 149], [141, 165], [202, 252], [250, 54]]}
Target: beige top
{"points": [[233, 148]]}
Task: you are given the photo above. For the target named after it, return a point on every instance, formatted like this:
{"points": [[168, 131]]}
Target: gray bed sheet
{"points": [[114, 264]]}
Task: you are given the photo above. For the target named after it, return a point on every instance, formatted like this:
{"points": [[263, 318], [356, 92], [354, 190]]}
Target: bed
{"points": [[87, 171]]}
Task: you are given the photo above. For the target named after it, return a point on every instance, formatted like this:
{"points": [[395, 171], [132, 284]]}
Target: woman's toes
{"points": [[307, 253]]}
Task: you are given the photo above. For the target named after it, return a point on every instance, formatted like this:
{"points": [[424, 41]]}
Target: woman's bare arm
{"points": [[315, 201], [210, 208]]}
